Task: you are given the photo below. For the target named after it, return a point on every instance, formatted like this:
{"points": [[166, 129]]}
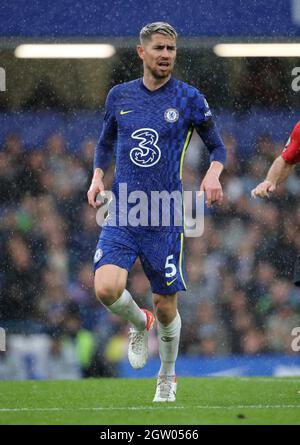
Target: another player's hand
{"points": [[263, 189], [96, 187], [213, 189]]}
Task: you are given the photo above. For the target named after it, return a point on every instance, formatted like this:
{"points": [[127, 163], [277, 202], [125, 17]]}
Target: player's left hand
{"points": [[213, 189]]}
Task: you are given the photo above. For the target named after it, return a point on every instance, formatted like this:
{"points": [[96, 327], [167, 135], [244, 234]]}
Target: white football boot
{"points": [[138, 343], [165, 389]]}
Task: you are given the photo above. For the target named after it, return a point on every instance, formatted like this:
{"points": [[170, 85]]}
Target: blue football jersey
{"points": [[149, 132]]}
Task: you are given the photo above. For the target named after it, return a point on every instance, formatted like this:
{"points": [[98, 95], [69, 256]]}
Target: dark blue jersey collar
{"points": [[166, 86]]}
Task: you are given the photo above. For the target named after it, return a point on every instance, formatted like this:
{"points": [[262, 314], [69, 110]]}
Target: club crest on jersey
{"points": [[171, 115], [98, 255], [147, 153]]}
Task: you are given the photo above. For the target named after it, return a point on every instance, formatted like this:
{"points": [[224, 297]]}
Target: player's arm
{"points": [[281, 167], [202, 121], [278, 172], [211, 184], [96, 187], [103, 153]]}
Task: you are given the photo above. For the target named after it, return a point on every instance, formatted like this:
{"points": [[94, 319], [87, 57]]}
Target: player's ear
{"points": [[140, 51]]}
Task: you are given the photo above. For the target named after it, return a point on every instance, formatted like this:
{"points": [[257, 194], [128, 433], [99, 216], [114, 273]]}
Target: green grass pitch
{"points": [[200, 401]]}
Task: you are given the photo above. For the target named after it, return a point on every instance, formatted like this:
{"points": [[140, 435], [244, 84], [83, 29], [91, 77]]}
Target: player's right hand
{"points": [[96, 187], [263, 189]]}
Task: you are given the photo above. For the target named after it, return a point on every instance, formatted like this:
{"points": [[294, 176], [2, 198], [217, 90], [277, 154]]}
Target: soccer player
{"points": [[279, 171], [148, 125]]}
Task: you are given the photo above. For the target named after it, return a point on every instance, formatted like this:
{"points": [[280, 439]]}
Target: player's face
{"points": [[158, 55]]}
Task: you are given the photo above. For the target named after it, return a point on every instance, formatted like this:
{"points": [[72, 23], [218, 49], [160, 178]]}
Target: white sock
{"points": [[168, 350], [127, 309]]}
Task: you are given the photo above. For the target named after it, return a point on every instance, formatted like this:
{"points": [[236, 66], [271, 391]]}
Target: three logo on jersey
{"points": [[148, 153]]}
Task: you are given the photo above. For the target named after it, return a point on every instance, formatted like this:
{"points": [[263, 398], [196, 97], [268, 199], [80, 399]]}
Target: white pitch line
{"points": [[152, 408], [270, 379]]}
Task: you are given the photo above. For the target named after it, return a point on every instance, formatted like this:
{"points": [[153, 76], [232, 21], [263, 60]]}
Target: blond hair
{"points": [[157, 28]]}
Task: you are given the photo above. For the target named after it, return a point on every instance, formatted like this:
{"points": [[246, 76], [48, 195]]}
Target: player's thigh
{"points": [[117, 246], [162, 260], [110, 282], [115, 254]]}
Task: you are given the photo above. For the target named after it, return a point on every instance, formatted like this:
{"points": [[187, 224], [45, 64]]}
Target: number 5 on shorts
{"points": [[171, 266]]}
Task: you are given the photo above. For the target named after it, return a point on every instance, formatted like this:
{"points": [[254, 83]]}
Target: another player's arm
{"points": [[281, 167], [211, 184], [103, 153], [278, 172]]}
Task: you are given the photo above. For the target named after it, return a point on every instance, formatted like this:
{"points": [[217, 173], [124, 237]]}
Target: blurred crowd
{"points": [[240, 296]]}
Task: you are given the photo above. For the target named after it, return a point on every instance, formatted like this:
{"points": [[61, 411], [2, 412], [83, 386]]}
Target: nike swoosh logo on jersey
{"points": [[126, 112], [171, 282]]}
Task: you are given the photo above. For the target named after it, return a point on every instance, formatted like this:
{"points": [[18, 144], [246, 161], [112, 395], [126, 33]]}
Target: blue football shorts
{"points": [[160, 252]]}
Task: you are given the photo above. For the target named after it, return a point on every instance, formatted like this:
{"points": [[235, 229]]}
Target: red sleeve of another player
{"points": [[291, 152]]}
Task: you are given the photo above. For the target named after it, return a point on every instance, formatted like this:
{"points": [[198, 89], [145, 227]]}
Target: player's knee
{"points": [[106, 294], [165, 311]]}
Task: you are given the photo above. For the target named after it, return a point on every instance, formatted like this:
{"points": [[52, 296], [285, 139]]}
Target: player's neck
{"points": [[152, 84]]}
